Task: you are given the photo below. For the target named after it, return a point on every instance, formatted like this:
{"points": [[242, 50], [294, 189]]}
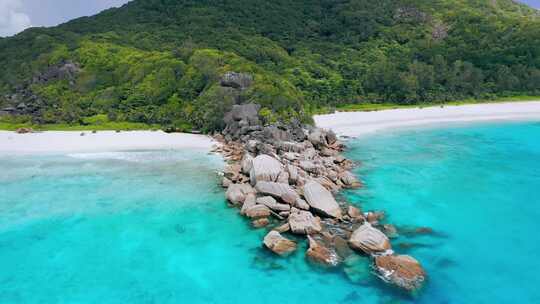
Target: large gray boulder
{"points": [[264, 168], [303, 222], [279, 244], [278, 190], [321, 200], [236, 193], [369, 240]]}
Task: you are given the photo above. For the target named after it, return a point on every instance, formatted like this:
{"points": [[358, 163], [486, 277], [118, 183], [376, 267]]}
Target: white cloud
{"points": [[12, 19]]}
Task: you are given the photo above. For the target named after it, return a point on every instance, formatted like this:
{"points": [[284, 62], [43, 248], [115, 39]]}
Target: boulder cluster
{"points": [[284, 179]]}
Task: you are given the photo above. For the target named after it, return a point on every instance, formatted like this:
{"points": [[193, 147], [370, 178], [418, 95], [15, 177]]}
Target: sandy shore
{"points": [[361, 123], [53, 141]]}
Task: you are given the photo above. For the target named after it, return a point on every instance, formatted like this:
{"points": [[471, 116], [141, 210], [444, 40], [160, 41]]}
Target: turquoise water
{"points": [[153, 227], [140, 227], [478, 187]]}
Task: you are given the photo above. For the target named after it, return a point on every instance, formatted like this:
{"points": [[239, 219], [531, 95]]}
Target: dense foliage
{"points": [[159, 61]]}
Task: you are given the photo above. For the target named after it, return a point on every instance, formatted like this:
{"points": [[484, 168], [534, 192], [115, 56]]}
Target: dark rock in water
{"points": [[342, 247], [236, 80], [390, 231], [357, 269], [401, 270], [352, 297], [262, 222]]}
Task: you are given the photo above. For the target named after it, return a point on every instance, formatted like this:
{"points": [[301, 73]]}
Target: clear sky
{"points": [[17, 15]]}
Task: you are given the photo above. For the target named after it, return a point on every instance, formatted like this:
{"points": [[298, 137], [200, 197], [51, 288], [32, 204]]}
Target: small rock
{"points": [[278, 244], [271, 203], [283, 228], [262, 222], [301, 204], [303, 222], [248, 203], [258, 211], [390, 231], [321, 255], [225, 183], [355, 213]]}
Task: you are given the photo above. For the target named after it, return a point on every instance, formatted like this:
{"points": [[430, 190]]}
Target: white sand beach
{"points": [[361, 123], [56, 141]]}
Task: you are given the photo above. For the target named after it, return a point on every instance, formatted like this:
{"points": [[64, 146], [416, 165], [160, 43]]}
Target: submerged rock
{"points": [[320, 254], [401, 270], [262, 222], [321, 200], [369, 240], [279, 244], [357, 269]]}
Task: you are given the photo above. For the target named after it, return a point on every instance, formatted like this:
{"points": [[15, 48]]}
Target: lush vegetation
{"points": [[159, 61]]}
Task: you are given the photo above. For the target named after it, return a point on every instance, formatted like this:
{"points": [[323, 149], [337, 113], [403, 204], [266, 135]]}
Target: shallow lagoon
{"points": [[153, 227]]}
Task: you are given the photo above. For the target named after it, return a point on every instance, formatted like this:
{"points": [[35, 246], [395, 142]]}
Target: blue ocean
{"points": [[153, 226]]}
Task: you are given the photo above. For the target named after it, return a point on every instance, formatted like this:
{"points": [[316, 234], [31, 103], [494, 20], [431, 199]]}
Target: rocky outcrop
{"points": [[279, 244], [321, 200], [401, 270], [369, 240], [284, 177]]}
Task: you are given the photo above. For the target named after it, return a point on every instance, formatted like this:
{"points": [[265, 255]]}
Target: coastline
{"points": [[363, 123], [102, 141]]}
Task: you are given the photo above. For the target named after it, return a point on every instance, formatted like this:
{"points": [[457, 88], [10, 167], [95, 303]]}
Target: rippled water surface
{"points": [[478, 188], [153, 227]]}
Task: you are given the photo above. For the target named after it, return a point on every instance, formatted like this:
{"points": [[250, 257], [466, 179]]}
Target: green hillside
{"points": [[159, 61]]}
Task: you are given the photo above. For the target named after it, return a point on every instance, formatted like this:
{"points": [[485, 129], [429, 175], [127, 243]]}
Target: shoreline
{"points": [[102, 141], [365, 123]]}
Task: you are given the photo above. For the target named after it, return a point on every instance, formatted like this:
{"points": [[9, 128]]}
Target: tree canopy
{"points": [[159, 61]]}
